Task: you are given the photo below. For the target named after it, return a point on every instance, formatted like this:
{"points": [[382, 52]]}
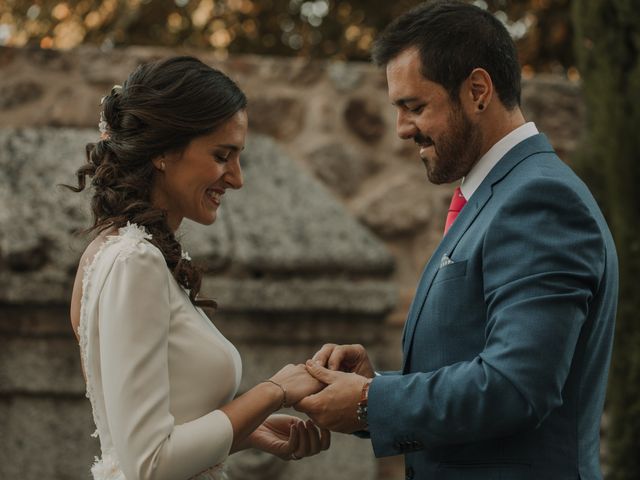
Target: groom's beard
{"points": [[455, 152]]}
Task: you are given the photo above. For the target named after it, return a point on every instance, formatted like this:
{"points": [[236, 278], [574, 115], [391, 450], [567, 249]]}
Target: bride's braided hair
{"points": [[160, 108]]}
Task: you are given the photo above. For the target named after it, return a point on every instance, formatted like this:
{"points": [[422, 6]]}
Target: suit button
{"points": [[397, 445], [408, 473]]}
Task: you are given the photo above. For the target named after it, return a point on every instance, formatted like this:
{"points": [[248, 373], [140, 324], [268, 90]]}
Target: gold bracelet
{"points": [[284, 392]]}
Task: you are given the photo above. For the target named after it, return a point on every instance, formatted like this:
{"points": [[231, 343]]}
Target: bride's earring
{"points": [[162, 166]]}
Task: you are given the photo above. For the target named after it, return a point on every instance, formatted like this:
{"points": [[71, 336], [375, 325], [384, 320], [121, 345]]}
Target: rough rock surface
{"points": [[282, 221], [341, 167]]}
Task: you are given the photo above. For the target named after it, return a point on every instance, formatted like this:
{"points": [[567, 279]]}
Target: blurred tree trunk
{"points": [[608, 52]]}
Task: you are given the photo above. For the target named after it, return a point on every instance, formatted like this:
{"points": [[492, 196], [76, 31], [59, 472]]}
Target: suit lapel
{"points": [[446, 247], [536, 144]]}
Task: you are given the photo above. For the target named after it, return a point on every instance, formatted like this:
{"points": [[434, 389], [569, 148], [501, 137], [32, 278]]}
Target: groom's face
{"points": [[449, 143]]}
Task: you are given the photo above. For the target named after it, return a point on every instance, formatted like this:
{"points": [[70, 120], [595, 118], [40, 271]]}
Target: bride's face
{"points": [[191, 184]]}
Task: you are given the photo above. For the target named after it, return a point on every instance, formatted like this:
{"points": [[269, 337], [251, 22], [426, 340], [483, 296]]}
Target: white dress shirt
{"points": [[481, 169]]}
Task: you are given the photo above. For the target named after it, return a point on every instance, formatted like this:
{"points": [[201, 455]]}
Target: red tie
{"points": [[457, 202]]}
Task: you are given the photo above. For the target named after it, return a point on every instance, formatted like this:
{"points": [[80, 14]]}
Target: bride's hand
{"points": [[289, 438], [297, 382]]}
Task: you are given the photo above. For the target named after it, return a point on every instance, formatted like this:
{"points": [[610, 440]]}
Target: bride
{"points": [[160, 376]]}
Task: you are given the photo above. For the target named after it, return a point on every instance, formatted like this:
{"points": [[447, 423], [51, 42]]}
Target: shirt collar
{"points": [[481, 169]]}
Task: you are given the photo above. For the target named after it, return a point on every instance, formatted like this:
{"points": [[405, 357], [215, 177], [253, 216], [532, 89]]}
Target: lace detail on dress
{"points": [[84, 337], [107, 468], [135, 232]]}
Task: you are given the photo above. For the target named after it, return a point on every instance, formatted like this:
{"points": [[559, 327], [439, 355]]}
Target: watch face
{"points": [[362, 413], [363, 409]]}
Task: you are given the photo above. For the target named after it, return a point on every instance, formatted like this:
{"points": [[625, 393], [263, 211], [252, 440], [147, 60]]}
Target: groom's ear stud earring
{"points": [[481, 107]]}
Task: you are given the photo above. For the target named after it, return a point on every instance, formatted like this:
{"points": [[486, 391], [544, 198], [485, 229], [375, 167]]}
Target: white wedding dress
{"points": [[157, 369]]}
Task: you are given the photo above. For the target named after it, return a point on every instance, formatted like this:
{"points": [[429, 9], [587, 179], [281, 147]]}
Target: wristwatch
{"points": [[362, 410]]}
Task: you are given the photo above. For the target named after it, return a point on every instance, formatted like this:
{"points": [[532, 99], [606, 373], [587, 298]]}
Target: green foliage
{"points": [[608, 52], [341, 29]]}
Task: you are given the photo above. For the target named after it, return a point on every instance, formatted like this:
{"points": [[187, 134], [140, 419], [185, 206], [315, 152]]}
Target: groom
{"points": [[508, 340]]}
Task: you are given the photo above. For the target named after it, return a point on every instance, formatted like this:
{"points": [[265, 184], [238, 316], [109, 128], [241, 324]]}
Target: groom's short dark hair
{"points": [[454, 38]]}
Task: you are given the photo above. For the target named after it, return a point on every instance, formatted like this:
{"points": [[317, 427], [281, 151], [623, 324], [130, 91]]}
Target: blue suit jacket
{"points": [[507, 349]]}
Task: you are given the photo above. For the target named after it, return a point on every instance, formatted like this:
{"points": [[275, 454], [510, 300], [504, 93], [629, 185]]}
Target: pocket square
{"points": [[445, 261]]}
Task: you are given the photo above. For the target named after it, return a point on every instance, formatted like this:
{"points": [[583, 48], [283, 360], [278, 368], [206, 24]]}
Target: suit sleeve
{"points": [[543, 258], [134, 318]]}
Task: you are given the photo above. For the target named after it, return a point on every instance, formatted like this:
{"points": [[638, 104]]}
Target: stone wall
{"points": [[332, 119]]}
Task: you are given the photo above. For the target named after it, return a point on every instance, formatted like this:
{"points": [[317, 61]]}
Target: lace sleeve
{"points": [[134, 320]]}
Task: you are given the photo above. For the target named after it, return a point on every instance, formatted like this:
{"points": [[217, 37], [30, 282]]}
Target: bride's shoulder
{"points": [[129, 242]]}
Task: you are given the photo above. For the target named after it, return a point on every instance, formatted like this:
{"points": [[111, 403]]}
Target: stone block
{"points": [[40, 365], [558, 110], [46, 438], [294, 223], [209, 244], [20, 93], [365, 120], [35, 321], [107, 69], [345, 77], [399, 205], [294, 329], [7, 56], [303, 295], [283, 220], [39, 220], [280, 117], [297, 73], [341, 167]]}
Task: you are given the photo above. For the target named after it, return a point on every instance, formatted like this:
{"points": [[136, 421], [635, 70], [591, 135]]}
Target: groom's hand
{"points": [[335, 407], [346, 358]]}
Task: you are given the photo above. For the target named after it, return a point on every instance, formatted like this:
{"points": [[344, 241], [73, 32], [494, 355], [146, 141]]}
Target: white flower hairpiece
{"points": [[103, 125], [185, 256]]}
